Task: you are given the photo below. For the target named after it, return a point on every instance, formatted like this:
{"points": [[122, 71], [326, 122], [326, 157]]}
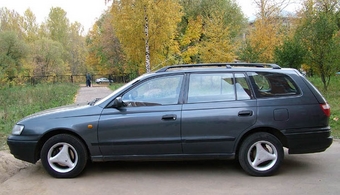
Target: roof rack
{"points": [[227, 65]]}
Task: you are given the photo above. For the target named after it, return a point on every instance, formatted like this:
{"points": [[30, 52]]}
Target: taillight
{"points": [[326, 109]]}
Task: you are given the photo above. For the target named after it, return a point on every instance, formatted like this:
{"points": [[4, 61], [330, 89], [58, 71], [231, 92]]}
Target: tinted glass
{"points": [[273, 84]]}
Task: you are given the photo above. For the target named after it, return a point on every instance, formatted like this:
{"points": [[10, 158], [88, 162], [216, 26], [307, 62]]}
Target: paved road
{"points": [[300, 174], [87, 94]]}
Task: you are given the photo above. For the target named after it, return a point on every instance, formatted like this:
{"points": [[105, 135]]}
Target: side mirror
{"points": [[118, 103]]}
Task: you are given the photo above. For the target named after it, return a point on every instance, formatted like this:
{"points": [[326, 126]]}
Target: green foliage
{"points": [[332, 96], [319, 34], [54, 47], [18, 102], [290, 54], [58, 25], [12, 53], [47, 55], [248, 53]]}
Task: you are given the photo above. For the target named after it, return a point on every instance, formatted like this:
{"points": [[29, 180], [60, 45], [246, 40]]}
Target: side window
{"points": [[273, 84], [216, 87], [156, 91]]}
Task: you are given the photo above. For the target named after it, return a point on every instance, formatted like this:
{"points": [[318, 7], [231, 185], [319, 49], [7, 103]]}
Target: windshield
{"points": [[119, 90]]}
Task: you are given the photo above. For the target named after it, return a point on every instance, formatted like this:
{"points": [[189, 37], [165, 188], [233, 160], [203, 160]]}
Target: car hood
{"points": [[60, 112]]}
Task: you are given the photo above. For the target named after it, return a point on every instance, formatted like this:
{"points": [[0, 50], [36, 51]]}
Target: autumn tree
{"points": [[217, 45], [146, 29], [106, 55], [189, 41], [210, 30], [319, 33], [267, 31]]}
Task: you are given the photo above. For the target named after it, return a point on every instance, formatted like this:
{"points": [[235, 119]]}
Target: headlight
{"points": [[17, 129]]}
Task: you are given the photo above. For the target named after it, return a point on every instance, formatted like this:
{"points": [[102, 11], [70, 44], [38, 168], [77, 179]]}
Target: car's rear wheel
{"points": [[261, 154], [64, 156]]}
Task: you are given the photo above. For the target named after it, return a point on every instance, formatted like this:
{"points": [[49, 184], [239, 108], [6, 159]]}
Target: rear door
{"points": [[219, 107]]}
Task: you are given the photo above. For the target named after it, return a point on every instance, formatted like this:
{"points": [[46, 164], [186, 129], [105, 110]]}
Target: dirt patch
{"points": [[9, 165]]}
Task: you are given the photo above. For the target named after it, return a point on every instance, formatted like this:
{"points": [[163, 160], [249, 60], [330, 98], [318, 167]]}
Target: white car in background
{"points": [[103, 80]]}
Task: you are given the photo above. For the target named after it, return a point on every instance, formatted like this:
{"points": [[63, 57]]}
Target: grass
{"points": [[115, 86], [332, 96], [18, 102]]}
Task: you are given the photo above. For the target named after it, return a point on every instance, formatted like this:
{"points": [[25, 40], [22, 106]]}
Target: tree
{"points": [[10, 21], [290, 54], [319, 33], [146, 29], [105, 50], [210, 30], [267, 31], [12, 52], [77, 49], [30, 26], [47, 56], [217, 45], [189, 42], [58, 25], [270, 8]]}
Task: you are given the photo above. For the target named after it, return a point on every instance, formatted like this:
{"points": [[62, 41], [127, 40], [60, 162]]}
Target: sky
{"points": [[84, 11]]}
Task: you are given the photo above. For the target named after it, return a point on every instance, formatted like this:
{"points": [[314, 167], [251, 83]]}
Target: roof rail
{"points": [[227, 65]]}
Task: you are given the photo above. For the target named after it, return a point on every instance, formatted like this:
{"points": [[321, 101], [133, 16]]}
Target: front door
{"points": [[149, 124]]}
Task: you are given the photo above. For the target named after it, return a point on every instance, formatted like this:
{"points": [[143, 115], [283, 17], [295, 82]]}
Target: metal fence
{"points": [[33, 80]]}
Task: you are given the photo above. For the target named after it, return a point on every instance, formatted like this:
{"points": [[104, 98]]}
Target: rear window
{"points": [[273, 84]]}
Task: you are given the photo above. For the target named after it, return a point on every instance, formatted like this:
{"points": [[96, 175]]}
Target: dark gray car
{"points": [[206, 111]]}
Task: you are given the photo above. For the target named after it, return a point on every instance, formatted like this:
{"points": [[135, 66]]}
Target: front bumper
{"points": [[311, 141], [23, 150]]}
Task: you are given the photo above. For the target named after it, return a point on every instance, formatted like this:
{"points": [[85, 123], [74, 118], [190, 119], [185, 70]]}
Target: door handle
{"points": [[245, 113], [169, 117]]}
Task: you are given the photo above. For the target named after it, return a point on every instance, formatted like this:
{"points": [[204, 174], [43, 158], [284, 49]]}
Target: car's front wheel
{"points": [[261, 154], [63, 156]]}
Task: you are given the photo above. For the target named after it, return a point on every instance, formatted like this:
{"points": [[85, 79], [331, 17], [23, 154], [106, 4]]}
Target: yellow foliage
{"points": [[129, 20], [190, 39], [217, 46], [265, 37]]}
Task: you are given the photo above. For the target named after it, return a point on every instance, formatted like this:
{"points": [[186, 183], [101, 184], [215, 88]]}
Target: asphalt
{"points": [[87, 94]]}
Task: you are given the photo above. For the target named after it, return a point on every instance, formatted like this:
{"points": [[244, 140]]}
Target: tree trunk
{"points": [[147, 47]]}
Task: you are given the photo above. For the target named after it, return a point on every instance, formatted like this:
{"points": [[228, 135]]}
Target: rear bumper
{"points": [[23, 150], [311, 141]]}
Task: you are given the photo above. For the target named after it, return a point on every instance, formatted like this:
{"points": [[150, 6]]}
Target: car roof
{"points": [[217, 67]]}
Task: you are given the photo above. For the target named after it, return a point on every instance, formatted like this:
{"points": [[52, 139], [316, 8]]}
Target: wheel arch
{"points": [[277, 133], [52, 133]]}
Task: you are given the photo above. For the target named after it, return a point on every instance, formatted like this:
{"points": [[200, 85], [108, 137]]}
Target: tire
{"points": [[261, 154], [63, 156]]}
